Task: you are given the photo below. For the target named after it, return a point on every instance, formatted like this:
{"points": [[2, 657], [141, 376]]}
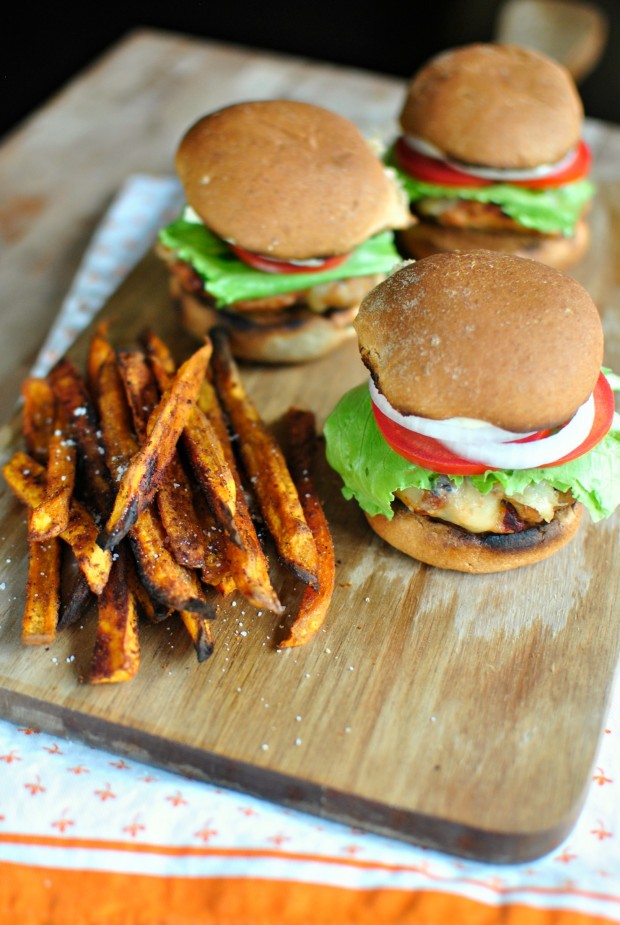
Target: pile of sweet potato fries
{"points": [[142, 475]]}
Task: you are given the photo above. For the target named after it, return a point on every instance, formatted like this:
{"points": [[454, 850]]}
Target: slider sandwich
{"points": [[488, 424], [491, 156], [288, 225]]}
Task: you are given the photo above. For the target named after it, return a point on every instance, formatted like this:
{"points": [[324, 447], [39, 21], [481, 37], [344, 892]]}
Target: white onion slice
{"points": [[311, 262], [537, 453], [480, 442], [491, 173], [454, 429]]}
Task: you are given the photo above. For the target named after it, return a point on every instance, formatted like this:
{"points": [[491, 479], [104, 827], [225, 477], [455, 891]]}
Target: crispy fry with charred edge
{"points": [[37, 416], [203, 449], [168, 583], [40, 617], [174, 497], [116, 653], [147, 607], [302, 443], [142, 477], [51, 517], [266, 467], [200, 633], [70, 389], [248, 565], [26, 479], [75, 603]]}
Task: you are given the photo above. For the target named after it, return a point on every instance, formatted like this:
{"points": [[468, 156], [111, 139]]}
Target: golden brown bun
{"points": [[495, 105], [290, 336], [557, 251], [482, 335], [287, 179], [446, 546]]}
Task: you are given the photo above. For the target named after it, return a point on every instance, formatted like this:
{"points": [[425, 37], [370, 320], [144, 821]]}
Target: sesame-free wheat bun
{"points": [[494, 105], [475, 443], [480, 335], [491, 148], [288, 225], [287, 179]]}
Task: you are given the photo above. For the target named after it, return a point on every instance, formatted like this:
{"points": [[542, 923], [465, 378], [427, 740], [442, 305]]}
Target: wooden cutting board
{"points": [[455, 711]]}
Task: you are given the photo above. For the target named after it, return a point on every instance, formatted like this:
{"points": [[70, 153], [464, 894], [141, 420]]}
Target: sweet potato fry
{"points": [[302, 441], [144, 473], [70, 389], [26, 478], [99, 350], [202, 447], [37, 416], [116, 653], [170, 584], [41, 610], [40, 615], [174, 497], [200, 633], [214, 570], [52, 516], [147, 607], [266, 467], [247, 563], [75, 601]]}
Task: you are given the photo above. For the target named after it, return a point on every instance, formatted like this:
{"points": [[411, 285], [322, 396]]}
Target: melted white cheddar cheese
{"points": [[494, 512]]}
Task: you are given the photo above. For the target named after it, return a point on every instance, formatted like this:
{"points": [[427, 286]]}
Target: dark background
{"points": [[53, 42]]}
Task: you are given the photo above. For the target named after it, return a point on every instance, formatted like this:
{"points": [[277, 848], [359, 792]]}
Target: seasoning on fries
{"points": [[146, 468], [116, 653], [204, 450], [302, 439], [134, 491], [266, 467]]}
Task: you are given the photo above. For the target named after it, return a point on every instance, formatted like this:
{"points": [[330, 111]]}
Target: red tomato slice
{"points": [[578, 168], [432, 170], [431, 454], [270, 265]]}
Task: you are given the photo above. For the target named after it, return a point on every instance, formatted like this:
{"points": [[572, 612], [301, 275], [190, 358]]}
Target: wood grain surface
{"points": [[459, 712]]}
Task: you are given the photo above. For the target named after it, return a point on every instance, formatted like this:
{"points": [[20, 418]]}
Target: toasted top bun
{"points": [[482, 335], [287, 179], [495, 105]]}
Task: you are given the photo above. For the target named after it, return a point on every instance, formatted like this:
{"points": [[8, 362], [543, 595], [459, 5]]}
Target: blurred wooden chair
{"points": [[572, 32]]}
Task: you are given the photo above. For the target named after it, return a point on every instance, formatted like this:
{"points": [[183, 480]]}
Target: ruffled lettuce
{"points": [[229, 280], [372, 472], [550, 211]]}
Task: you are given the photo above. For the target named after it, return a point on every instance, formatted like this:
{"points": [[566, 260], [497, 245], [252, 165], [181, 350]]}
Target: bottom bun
{"points": [[443, 545], [555, 251], [291, 335]]}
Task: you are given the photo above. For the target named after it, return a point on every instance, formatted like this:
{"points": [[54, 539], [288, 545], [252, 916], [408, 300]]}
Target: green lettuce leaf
{"points": [[550, 211], [372, 472], [228, 279]]}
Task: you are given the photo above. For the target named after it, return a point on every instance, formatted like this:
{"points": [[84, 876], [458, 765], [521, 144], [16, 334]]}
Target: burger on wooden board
{"points": [[288, 225], [488, 424], [491, 156]]}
